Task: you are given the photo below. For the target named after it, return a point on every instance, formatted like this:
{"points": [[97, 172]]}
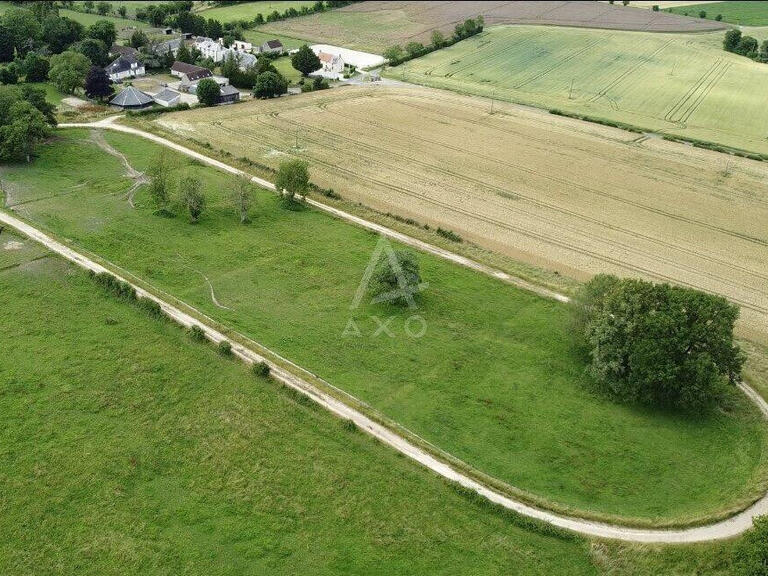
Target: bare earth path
{"points": [[138, 177], [723, 529]]}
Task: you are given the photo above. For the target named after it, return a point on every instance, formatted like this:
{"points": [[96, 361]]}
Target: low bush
{"points": [[751, 554], [114, 286], [196, 333], [225, 348], [151, 307], [260, 369], [449, 234]]}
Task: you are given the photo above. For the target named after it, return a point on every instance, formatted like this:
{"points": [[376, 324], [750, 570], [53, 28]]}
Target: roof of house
{"points": [[162, 48], [244, 59], [123, 50], [131, 97], [273, 44], [166, 95], [121, 64], [325, 57], [191, 71], [228, 90]]}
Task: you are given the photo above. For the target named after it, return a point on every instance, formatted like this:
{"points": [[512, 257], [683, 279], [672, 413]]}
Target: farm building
{"points": [[228, 95], [131, 98], [125, 67], [271, 47], [189, 72], [167, 98]]}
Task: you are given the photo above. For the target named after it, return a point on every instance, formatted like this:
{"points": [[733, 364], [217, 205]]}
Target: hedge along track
{"points": [[728, 528], [522, 231]]}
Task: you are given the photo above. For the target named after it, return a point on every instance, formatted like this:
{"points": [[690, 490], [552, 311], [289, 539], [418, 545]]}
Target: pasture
{"points": [[249, 10], [677, 84], [493, 380], [374, 26], [123, 26], [521, 182], [128, 448], [742, 13]]}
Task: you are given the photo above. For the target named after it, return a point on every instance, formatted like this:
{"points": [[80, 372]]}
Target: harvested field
{"points": [[373, 26], [680, 84], [576, 197]]}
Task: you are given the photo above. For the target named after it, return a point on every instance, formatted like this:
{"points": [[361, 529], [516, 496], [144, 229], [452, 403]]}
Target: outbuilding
{"points": [[228, 95], [167, 98], [131, 98]]}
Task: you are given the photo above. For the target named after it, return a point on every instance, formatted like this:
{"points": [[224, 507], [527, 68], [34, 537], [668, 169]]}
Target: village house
{"points": [[332, 63], [229, 95], [217, 52], [120, 50], [239, 45], [125, 67], [271, 47], [162, 48], [190, 75]]}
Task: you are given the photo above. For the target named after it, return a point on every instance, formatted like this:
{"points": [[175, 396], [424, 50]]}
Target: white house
{"points": [[239, 45], [271, 47], [125, 67], [218, 53], [333, 65]]}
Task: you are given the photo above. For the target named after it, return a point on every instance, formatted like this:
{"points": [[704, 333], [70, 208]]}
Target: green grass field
{"points": [[127, 448], [249, 10], [674, 83], [493, 381], [87, 19], [743, 13], [285, 68], [257, 37], [130, 6]]}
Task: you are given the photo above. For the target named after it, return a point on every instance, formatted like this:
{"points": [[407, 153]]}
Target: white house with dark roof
{"points": [[125, 67]]}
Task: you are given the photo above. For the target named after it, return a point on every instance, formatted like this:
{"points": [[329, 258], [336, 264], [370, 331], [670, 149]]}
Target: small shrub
{"points": [[260, 369], [225, 348], [449, 234], [196, 333], [349, 425]]}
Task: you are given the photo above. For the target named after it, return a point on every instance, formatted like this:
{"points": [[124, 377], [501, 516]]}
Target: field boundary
{"points": [[598, 525]]}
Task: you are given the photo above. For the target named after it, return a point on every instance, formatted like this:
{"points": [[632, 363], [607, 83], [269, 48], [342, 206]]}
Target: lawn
{"points": [[742, 13], [249, 10], [257, 37], [285, 68], [672, 83], [127, 448], [493, 380], [120, 23]]}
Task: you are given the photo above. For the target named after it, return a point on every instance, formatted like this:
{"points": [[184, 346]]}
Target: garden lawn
{"points": [[493, 381], [743, 13], [87, 19], [128, 448], [257, 38]]}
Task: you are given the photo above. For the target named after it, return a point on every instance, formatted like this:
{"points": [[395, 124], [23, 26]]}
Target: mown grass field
{"points": [[257, 37], [128, 448], [743, 13], [521, 182], [130, 6], [87, 19], [672, 83], [493, 381], [249, 10]]}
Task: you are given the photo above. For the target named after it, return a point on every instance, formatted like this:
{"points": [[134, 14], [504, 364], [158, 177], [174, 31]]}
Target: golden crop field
{"points": [[559, 193]]}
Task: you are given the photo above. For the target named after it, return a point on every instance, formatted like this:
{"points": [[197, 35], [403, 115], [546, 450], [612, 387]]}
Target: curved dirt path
{"points": [[139, 178], [728, 528]]}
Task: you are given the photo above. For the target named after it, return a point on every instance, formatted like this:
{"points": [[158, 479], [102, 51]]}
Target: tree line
{"points": [[397, 54]]}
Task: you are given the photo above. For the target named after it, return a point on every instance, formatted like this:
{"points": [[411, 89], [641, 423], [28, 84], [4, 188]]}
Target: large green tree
{"points": [[68, 70], [61, 32], [292, 179], [269, 85], [97, 84], [208, 92], [23, 28], [658, 344], [192, 197], [305, 61], [35, 68], [103, 30], [95, 50], [26, 128]]}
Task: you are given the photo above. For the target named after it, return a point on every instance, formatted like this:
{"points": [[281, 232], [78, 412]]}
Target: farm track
{"points": [[523, 231], [357, 145], [722, 529], [692, 99]]}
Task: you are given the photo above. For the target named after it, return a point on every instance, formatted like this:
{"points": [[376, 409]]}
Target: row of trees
{"points": [[168, 195], [745, 45], [397, 54]]}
